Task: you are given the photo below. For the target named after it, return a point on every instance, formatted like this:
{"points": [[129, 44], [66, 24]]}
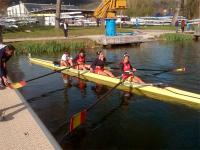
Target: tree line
{"points": [[187, 8]]}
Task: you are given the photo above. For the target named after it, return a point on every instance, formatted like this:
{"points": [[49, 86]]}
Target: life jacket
{"points": [[126, 67], [81, 59]]}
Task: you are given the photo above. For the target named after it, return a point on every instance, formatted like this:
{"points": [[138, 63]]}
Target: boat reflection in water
{"points": [[74, 140], [99, 89], [75, 82]]}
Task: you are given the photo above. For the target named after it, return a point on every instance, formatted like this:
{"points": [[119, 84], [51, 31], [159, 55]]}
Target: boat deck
{"points": [[20, 128]]}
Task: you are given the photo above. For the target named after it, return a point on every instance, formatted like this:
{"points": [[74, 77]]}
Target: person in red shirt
{"points": [[80, 60], [128, 70], [98, 65], [183, 25]]}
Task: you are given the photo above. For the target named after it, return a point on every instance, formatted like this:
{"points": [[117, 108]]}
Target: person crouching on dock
{"points": [[80, 60], [128, 70], [98, 65]]}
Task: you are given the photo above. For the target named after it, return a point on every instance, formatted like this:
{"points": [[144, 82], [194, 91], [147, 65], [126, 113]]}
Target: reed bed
{"points": [[52, 47], [176, 37]]}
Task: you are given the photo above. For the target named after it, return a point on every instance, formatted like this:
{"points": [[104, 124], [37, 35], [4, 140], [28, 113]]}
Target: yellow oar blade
{"points": [[17, 85], [180, 70], [77, 119]]}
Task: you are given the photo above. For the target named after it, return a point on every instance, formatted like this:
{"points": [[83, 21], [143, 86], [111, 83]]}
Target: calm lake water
{"points": [[118, 122]]}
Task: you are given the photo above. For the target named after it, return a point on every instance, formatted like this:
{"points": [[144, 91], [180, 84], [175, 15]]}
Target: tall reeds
{"points": [[51, 47], [176, 37]]}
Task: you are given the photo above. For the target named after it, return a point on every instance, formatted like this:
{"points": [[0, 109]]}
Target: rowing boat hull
{"points": [[166, 93]]}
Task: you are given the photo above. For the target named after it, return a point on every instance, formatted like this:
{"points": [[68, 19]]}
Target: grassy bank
{"points": [[158, 27], [33, 32], [176, 37], [52, 47], [51, 31]]}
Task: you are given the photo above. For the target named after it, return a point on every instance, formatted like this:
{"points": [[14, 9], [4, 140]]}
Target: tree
{"points": [[199, 8], [58, 9], [177, 11], [4, 4], [192, 9]]}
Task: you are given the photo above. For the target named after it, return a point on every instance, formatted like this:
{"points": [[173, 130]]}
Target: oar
{"points": [[23, 83], [170, 70], [167, 70], [79, 118], [107, 62]]}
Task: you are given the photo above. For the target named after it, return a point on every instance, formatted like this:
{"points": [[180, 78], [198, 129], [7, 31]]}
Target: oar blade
{"points": [[17, 85], [77, 119], [180, 70]]}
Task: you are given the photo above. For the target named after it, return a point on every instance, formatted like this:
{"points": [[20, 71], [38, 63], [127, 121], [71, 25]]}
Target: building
{"points": [[46, 12], [27, 9]]}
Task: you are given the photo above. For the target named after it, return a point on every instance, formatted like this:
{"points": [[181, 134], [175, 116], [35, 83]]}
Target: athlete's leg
{"points": [[108, 73]]}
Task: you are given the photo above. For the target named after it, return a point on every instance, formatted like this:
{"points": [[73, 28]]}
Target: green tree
{"points": [[3, 7], [177, 3], [140, 7], [58, 9], [192, 9]]}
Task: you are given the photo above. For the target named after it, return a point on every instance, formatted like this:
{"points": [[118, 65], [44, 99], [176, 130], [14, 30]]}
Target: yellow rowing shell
{"points": [[149, 90]]}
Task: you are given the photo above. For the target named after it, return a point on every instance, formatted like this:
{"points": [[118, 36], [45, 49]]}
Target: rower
{"points": [[128, 70], [80, 60], [98, 65], [66, 60]]}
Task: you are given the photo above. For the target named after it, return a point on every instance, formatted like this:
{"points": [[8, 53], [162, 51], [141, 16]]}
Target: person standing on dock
{"points": [[6, 53], [137, 23], [183, 25], [177, 25], [65, 28]]}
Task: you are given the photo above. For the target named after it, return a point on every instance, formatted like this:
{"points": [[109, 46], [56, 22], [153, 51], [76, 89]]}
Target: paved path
{"points": [[49, 38], [21, 128], [147, 34]]}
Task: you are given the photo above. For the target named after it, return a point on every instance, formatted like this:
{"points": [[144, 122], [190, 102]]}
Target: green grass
{"points": [[158, 28], [169, 27], [52, 47], [73, 31], [176, 37], [51, 31]]}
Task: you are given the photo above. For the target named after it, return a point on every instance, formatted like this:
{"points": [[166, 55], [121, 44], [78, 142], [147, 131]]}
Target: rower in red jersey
{"points": [[128, 70], [80, 60], [98, 65]]}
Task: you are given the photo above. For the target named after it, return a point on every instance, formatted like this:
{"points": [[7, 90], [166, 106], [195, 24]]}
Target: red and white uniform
{"points": [[127, 70], [80, 59], [66, 58]]}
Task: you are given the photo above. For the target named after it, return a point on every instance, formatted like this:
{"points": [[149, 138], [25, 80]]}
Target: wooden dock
{"points": [[119, 40], [20, 128]]}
